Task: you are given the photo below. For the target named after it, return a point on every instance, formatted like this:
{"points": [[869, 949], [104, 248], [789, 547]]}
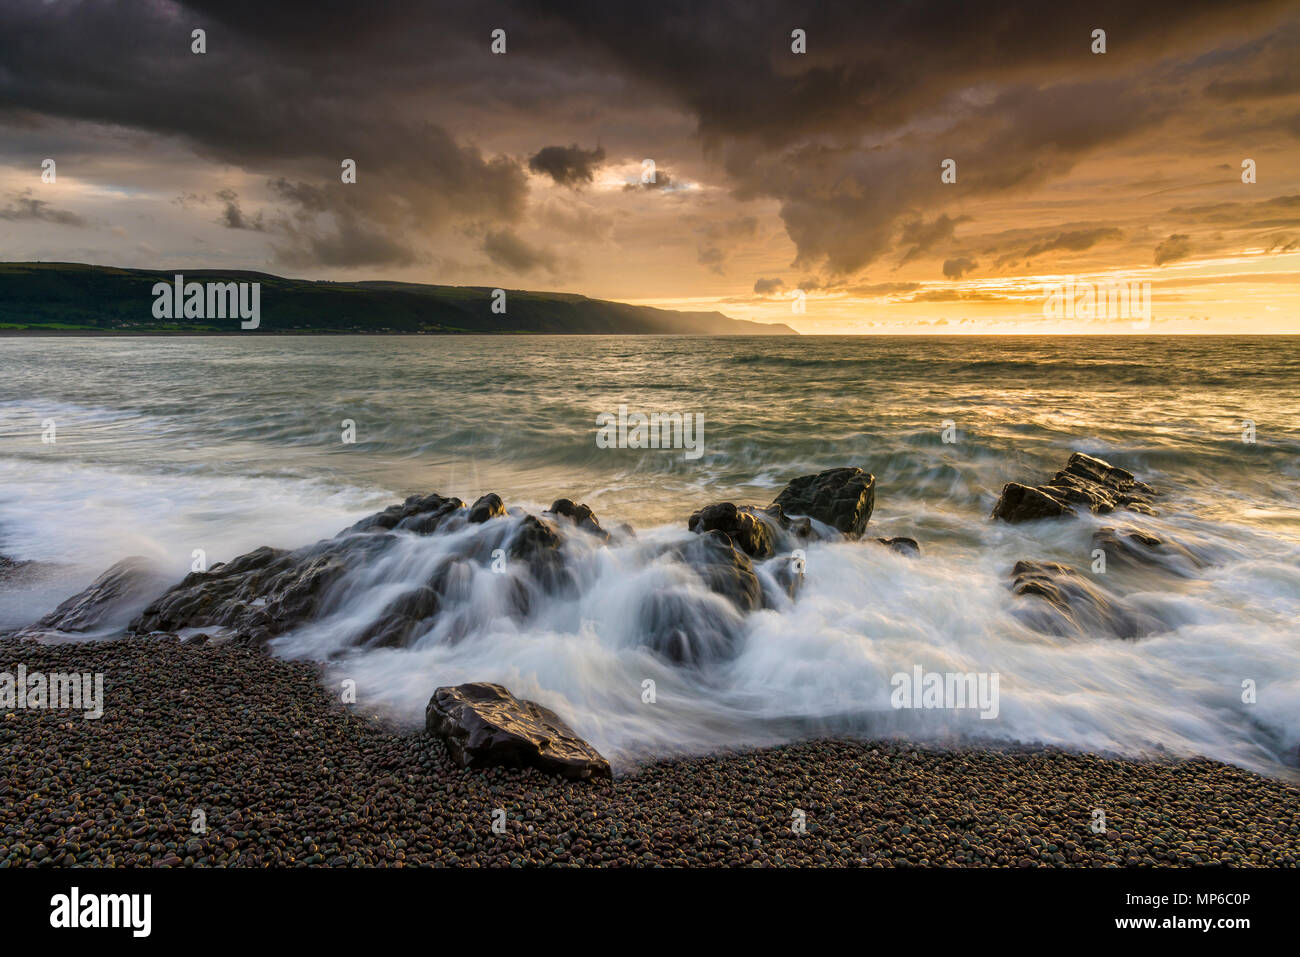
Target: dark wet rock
{"points": [[421, 514], [1135, 547], [1085, 482], [400, 621], [788, 572], [747, 527], [269, 591], [725, 569], [537, 543], [842, 498], [1073, 603], [688, 628], [263, 593], [1023, 503], [484, 725], [905, 546], [581, 516], [118, 591], [487, 507]]}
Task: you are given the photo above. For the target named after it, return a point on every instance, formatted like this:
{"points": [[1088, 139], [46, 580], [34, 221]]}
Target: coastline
{"points": [[285, 775]]}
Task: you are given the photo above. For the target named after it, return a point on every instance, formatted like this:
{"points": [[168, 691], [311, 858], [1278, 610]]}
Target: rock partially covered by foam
{"points": [[836, 502], [1085, 482], [119, 591], [747, 528], [483, 724], [581, 516], [842, 498], [1072, 603]]}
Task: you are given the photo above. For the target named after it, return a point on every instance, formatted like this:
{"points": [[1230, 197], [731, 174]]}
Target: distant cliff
{"points": [[72, 297]]}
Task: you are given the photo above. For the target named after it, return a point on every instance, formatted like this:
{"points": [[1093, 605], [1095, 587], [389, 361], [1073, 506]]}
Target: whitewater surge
{"points": [[823, 664], [208, 445]]}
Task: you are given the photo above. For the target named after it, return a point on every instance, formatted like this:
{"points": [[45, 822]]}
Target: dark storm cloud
{"points": [[23, 206], [567, 165], [846, 139], [507, 250], [765, 287], [287, 93], [790, 127], [232, 215]]}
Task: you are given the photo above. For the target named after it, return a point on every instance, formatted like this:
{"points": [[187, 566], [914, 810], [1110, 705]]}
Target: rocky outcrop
{"points": [[262, 593], [842, 498], [1085, 482], [117, 592], [269, 591], [581, 516], [746, 526], [420, 514], [839, 500], [1074, 604], [487, 507], [484, 724], [725, 569]]}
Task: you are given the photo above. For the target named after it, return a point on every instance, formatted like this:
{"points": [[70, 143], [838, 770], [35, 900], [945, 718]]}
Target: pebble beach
{"points": [[284, 775]]}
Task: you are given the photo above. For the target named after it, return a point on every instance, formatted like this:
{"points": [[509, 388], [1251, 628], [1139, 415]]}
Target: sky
{"points": [[799, 153]]}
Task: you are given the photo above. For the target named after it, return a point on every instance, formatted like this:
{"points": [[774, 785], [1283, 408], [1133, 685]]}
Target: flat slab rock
{"points": [[484, 724], [1085, 482]]}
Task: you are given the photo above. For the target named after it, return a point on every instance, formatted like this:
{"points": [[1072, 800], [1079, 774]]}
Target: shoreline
{"points": [[285, 775]]}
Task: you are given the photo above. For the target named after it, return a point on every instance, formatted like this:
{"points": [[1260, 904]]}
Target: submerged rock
{"points": [[1075, 603], [484, 724], [130, 582], [725, 569], [9, 566], [1135, 546], [905, 546], [1085, 482], [269, 591], [788, 572], [399, 621], [688, 628]]}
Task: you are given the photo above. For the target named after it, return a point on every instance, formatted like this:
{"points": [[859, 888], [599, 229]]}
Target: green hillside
{"points": [[72, 297]]}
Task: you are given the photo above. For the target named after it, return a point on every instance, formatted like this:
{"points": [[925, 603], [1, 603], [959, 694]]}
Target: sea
{"points": [[176, 448]]}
